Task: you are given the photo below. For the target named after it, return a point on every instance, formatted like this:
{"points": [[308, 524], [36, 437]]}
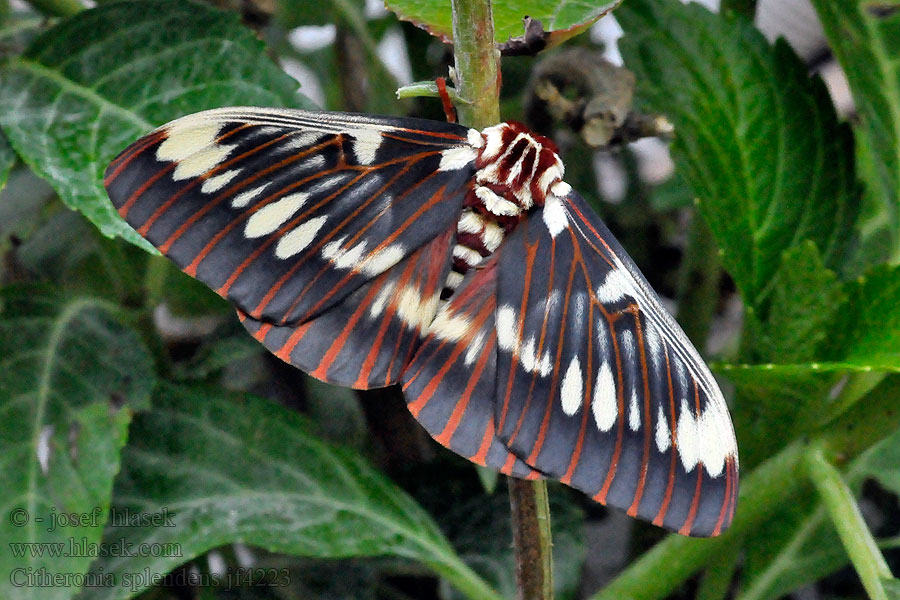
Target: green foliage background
{"points": [[338, 493]]}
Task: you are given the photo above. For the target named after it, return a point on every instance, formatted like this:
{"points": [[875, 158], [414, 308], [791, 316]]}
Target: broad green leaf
{"points": [[562, 19], [865, 37], [867, 331], [69, 379], [228, 470], [805, 298], [7, 158], [772, 406], [756, 138], [99, 80], [784, 393]]}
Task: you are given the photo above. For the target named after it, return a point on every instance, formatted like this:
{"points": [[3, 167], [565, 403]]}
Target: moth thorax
{"points": [[515, 166]]}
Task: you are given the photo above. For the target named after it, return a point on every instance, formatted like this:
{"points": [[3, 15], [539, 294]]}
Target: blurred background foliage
{"points": [[772, 230]]}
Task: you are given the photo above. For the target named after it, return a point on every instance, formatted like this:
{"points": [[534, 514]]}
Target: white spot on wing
{"points": [[531, 362], [653, 344], [474, 349], [604, 404], [449, 327], [382, 260], [269, 218], [545, 365], [453, 280], [458, 157], [244, 198], [343, 258], [689, 444], [630, 362], [663, 435], [201, 162], [615, 287], [381, 300], [214, 184], [415, 311], [301, 141], [185, 137], [707, 438], [554, 214], [297, 239], [507, 329], [366, 142], [571, 391], [634, 413]]}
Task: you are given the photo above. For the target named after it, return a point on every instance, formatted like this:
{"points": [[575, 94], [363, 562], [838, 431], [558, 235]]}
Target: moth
{"points": [[370, 251]]}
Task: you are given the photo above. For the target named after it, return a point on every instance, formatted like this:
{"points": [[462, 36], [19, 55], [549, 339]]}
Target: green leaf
{"points": [[215, 356], [563, 19], [803, 545], [7, 159], [865, 37], [882, 462], [756, 138], [805, 299], [246, 470], [99, 80], [22, 206], [892, 588], [772, 406], [867, 331], [69, 379], [800, 547]]}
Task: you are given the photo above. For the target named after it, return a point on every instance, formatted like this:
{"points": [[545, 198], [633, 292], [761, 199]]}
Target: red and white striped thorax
{"points": [[515, 171]]}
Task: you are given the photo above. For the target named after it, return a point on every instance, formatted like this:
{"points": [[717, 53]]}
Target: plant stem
{"points": [[661, 570], [530, 510], [478, 85], [861, 547], [477, 63]]}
